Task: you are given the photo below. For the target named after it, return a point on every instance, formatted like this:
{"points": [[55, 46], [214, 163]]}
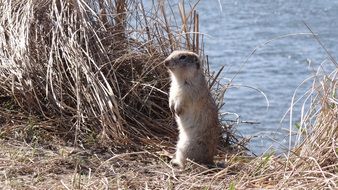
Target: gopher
{"points": [[195, 111]]}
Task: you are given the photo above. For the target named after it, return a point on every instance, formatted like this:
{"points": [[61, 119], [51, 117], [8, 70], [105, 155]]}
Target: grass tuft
{"points": [[93, 69]]}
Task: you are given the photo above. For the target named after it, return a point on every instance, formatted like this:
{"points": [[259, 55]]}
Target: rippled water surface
{"points": [[235, 28]]}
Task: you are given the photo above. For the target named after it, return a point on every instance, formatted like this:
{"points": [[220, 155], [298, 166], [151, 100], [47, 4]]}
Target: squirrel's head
{"points": [[183, 63]]}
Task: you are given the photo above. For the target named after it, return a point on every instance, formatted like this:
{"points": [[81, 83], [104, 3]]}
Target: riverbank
{"points": [[84, 105]]}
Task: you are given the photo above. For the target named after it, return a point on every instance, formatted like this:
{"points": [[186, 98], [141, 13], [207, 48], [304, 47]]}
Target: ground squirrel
{"points": [[194, 108]]}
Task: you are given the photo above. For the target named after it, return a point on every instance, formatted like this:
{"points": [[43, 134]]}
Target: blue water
{"points": [[235, 28]]}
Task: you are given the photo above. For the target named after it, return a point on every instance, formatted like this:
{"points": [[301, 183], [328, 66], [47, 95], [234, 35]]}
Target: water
{"points": [[276, 68]]}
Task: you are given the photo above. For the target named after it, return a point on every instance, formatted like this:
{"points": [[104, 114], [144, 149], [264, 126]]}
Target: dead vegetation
{"points": [[94, 68], [84, 104]]}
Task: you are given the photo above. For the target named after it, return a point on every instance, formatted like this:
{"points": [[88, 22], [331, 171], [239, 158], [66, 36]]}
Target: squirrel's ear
{"points": [[197, 61]]}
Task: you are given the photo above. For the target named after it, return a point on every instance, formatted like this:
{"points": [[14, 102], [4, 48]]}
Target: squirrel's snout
{"points": [[166, 63], [169, 63]]}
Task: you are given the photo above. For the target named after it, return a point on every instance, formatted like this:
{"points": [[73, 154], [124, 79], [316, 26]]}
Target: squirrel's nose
{"points": [[166, 63]]}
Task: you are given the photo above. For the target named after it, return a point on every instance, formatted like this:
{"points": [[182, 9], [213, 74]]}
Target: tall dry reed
{"points": [[94, 67]]}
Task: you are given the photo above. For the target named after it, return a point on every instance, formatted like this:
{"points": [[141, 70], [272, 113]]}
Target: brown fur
{"points": [[194, 108]]}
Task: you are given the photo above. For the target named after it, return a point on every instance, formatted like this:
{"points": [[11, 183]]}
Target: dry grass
{"points": [[84, 104], [93, 69], [62, 63]]}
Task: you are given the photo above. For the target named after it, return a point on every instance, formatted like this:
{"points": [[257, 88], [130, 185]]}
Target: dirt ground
{"points": [[33, 157], [29, 166]]}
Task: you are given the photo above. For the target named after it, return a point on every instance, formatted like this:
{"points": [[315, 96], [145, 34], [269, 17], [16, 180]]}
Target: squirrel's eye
{"points": [[182, 57]]}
